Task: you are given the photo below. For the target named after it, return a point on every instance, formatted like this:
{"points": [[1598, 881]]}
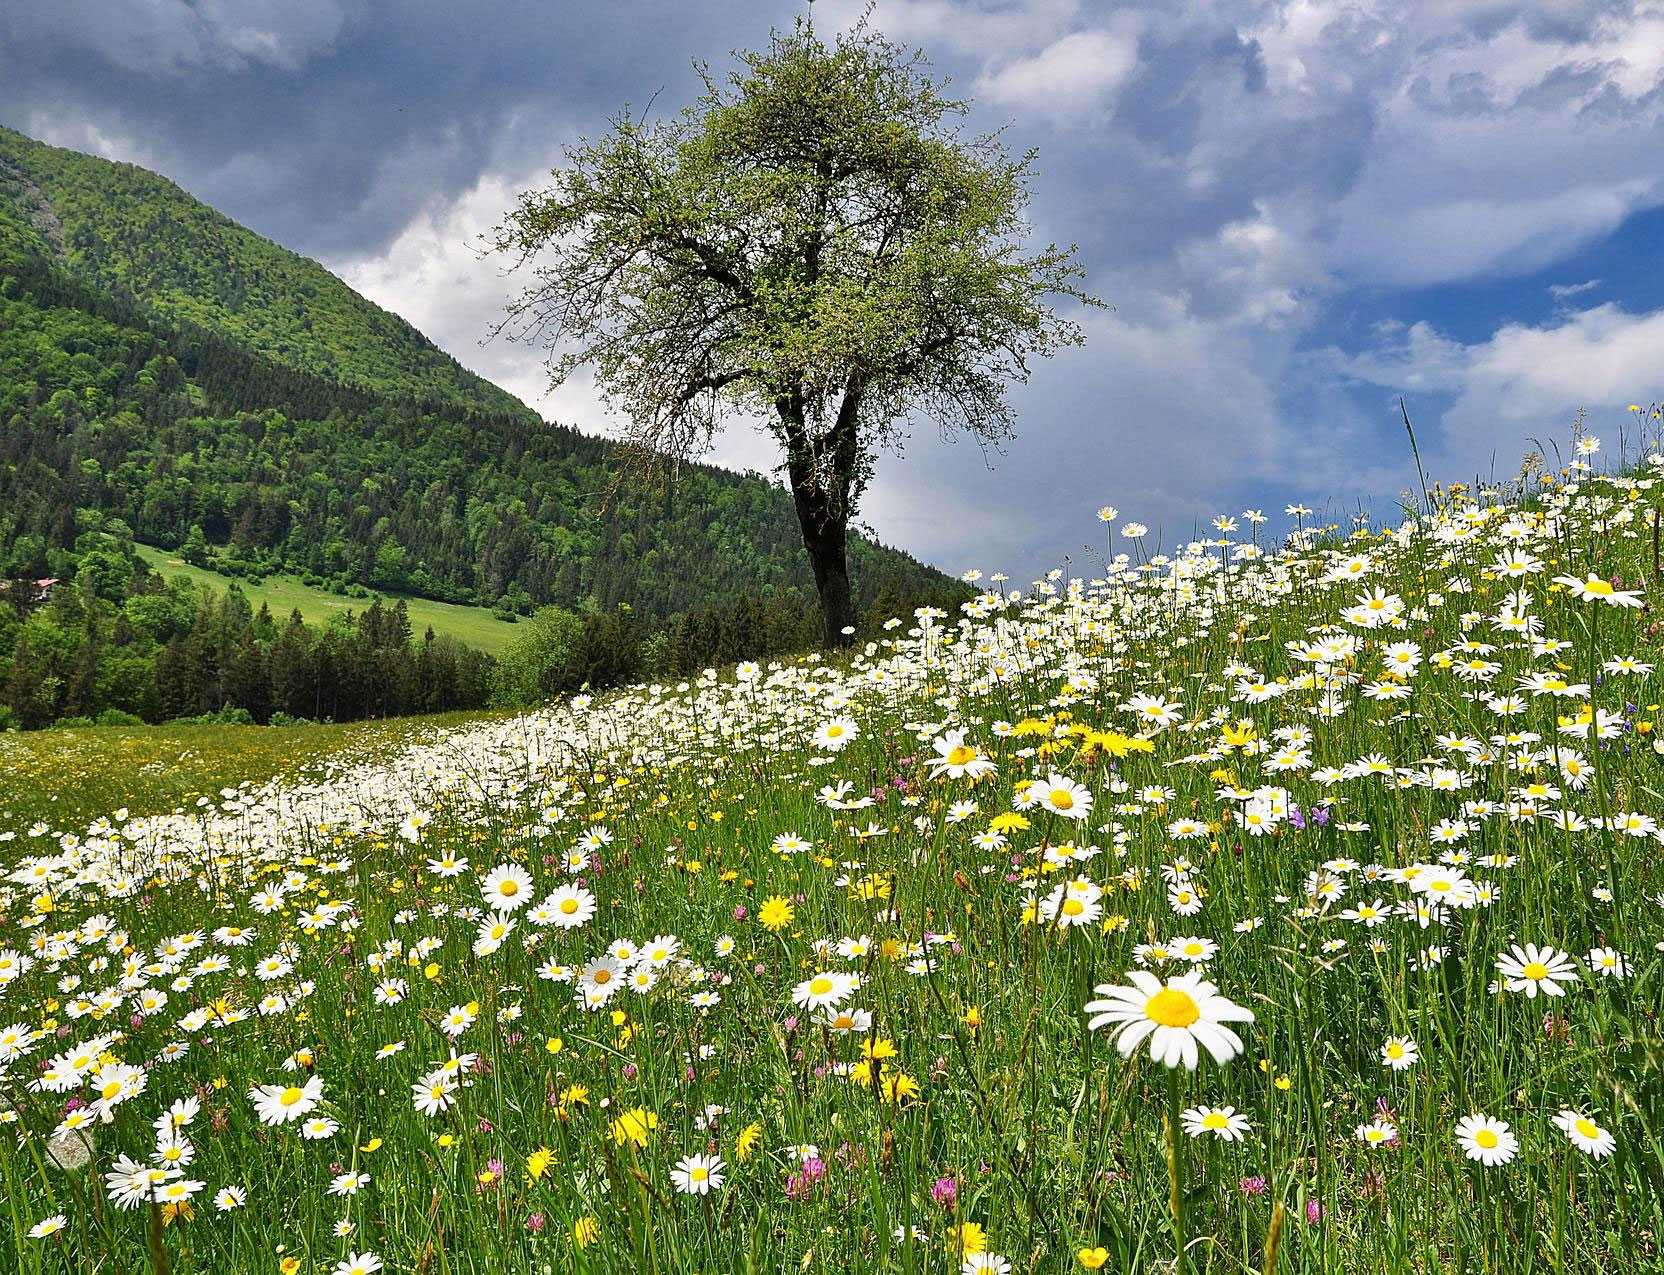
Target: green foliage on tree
{"points": [[815, 244], [195, 548], [532, 668]]}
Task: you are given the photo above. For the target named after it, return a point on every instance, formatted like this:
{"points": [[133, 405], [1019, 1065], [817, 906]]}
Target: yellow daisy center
{"points": [[1063, 799], [1073, 907], [820, 986], [1588, 1128], [1485, 1138], [1535, 970], [1172, 1007], [290, 1096], [961, 756]]}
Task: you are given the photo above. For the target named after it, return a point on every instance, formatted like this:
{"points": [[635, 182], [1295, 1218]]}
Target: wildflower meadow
{"points": [[1289, 901]]}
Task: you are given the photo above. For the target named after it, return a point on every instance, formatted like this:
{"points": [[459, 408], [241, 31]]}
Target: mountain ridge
{"points": [[260, 274]]}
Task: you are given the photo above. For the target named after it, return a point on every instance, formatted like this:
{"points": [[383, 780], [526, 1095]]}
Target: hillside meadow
{"points": [[476, 626], [1290, 902]]}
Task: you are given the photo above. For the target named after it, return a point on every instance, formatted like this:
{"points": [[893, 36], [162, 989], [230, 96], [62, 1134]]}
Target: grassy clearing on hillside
{"points": [[1258, 909], [474, 625], [71, 777]]}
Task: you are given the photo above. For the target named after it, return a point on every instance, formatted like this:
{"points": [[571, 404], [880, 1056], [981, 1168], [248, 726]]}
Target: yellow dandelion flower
{"points": [[776, 914]]}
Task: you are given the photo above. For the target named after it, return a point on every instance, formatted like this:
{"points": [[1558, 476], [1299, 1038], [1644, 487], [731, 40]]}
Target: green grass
{"points": [[1158, 753], [283, 593]]}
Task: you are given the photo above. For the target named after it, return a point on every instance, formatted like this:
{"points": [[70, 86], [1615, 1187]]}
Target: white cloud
{"points": [[1072, 79], [1560, 291], [1601, 357], [1257, 270], [1521, 381], [1160, 411], [1500, 137], [1470, 236]]}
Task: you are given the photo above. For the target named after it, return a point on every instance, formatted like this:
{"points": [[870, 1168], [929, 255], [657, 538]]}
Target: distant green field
{"points": [[69, 777], [474, 625]]}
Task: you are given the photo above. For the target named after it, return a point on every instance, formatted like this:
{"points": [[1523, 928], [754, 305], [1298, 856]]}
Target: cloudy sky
{"points": [[1300, 211]]}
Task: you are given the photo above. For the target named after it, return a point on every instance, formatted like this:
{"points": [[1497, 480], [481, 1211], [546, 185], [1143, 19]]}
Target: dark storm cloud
{"points": [[326, 125]]}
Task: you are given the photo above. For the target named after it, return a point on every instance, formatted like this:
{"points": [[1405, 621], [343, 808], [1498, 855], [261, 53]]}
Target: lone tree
{"points": [[815, 245]]}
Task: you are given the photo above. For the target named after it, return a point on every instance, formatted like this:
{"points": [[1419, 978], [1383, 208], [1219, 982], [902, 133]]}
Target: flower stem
{"points": [[1175, 1169]]}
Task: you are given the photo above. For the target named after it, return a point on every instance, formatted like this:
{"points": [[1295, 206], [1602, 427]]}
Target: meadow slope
{"points": [[1287, 903], [476, 626]]}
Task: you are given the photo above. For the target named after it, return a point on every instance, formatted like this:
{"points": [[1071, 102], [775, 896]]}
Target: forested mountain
{"points": [[136, 236], [209, 391]]}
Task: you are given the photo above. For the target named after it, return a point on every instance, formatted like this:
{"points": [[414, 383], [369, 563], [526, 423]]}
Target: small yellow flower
{"points": [[967, 1239], [899, 1088], [777, 913], [633, 1126], [1092, 1258], [538, 1162]]}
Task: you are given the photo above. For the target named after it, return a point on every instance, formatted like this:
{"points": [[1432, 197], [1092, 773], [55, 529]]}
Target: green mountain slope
{"points": [[136, 235], [167, 372]]}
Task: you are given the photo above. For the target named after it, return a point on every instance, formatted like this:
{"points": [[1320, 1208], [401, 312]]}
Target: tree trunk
{"points": [[825, 538], [823, 474]]}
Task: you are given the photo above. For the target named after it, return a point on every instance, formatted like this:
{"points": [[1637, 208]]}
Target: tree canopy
{"points": [[817, 246]]}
